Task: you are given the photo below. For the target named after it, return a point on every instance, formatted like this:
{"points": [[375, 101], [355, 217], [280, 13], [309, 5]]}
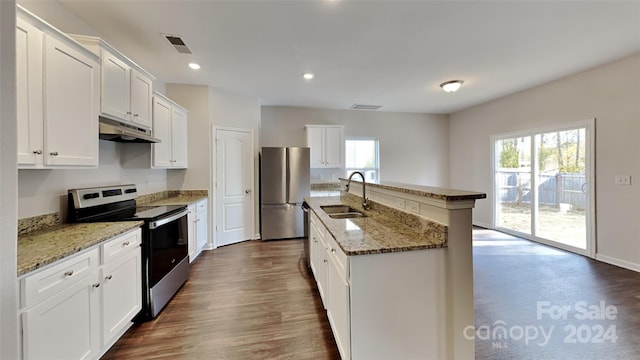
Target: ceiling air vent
{"points": [[365, 107], [177, 42]]}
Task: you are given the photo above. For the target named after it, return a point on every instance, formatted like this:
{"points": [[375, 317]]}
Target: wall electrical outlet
{"points": [[622, 180]]}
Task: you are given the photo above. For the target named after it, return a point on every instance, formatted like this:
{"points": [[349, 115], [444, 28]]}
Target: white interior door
{"points": [[234, 186]]}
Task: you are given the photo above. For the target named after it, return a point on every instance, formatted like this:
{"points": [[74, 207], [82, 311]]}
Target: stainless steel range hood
{"points": [[113, 130]]}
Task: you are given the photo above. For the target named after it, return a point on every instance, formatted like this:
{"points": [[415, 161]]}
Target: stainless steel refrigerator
{"points": [[284, 182]]}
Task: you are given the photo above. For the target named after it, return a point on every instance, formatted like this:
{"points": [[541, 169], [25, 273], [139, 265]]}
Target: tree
{"points": [[509, 154]]}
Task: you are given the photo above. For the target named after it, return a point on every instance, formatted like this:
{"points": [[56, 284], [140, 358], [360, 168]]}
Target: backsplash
{"points": [[418, 223], [149, 198], [39, 222]]}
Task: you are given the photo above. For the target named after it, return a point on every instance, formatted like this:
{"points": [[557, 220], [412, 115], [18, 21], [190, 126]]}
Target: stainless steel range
{"points": [[165, 260]]}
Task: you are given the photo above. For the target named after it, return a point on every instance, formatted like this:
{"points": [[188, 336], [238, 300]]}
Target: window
{"points": [[361, 154]]}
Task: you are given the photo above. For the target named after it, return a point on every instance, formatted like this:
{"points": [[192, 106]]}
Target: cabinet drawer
{"points": [[201, 205], [58, 277], [120, 245], [338, 256]]}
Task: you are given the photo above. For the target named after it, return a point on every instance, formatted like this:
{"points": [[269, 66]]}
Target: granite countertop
{"points": [[426, 191], [373, 234], [176, 200], [40, 248]]}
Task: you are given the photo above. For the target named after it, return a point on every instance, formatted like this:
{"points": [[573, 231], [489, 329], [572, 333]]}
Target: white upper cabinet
{"points": [[126, 89], [114, 100], [141, 96], [327, 145], [58, 89], [29, 93], [179, 137], [170, 126]]}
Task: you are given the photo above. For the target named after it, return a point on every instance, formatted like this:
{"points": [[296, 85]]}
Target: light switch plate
{"points": [[622, 180]]}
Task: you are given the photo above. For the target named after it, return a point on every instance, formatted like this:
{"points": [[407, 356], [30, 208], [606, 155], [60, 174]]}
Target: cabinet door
{"points": [[65, 326], [179, 138], [161, 152], [322, 273], [315, 141], [71, 93], [313, 247], [193, 231], [29, 93], [202, 223], [333, 144], [141, 93], [116, 74], [121, 294], [338, 308]]}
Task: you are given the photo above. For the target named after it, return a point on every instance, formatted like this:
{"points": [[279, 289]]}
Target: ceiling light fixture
{"points": [[194, 66], [308, 76], [451, 86]]}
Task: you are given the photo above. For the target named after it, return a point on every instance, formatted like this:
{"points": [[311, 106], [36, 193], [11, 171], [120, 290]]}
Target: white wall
{"points": [[210, 106], [239, 111], [45, 191], [609, 93], [194, 98], [413, 147], [8, 211]]}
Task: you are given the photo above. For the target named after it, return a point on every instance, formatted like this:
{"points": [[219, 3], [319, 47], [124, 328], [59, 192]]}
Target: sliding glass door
{"points": [[544, 186]]}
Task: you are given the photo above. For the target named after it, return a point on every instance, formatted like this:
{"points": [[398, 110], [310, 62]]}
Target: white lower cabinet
{"points": [[202, 237], [65, 325], [381, 306], [78, 307], [318, 255], [122, 289], [198, 228], [338, 308]]}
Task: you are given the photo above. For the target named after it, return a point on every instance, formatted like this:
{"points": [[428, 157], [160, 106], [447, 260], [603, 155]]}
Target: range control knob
{"points": [[90, 196]]}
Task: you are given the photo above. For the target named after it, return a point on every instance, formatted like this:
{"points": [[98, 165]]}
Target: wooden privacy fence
{"points": [[514, 187]]}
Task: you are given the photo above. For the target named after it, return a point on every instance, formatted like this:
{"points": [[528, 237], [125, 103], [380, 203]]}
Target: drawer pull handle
{"points": [[325, 260], [333, 250], [68, 273], [108, 277], [54, 153], [96, 285], [126, 243]]}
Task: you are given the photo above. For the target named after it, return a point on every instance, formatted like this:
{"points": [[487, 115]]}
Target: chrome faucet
{"points": [[364, 189]]}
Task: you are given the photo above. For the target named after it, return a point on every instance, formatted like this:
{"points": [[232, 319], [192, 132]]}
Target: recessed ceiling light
{"points": [[194, 66], [451, 86], [308, 76]]}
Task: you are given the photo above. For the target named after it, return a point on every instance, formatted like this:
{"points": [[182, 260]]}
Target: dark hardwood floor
{"points": [[251, 300], [516, 280], [257, 300]]}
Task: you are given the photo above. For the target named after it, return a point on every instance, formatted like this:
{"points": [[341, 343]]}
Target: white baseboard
{"points": [[482, 224], [618, 262], [256, 236]]}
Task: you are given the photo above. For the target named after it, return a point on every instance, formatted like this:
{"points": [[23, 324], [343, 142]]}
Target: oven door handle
{"points": [[156, 224]]}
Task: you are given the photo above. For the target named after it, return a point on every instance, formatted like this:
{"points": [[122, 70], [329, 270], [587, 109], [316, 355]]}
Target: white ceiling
{"points": [[389, 53]]}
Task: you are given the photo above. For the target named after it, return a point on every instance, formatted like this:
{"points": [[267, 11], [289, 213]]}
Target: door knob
{"points": [[247, 191]]}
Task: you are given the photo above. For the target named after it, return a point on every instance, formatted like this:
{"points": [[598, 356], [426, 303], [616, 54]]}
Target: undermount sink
{"points": [[348, 215], [341, 212]]}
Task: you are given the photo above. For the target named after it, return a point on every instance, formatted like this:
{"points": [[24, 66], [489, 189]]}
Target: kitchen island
{"points": [[398, 282]]}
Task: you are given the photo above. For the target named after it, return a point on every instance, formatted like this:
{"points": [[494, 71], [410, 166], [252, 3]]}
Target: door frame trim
{"points": [[213, 215], [590, 127]]}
